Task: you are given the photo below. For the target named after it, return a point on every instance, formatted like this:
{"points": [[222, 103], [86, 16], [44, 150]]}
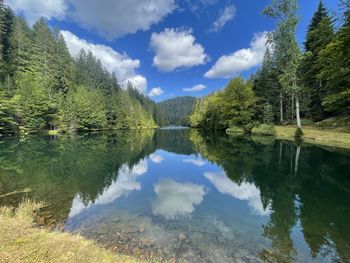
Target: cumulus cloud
{"points": [[196, 162], [175, 199], [156, 92], [176, 48], [244, 191], [195, 88], [241, 60], [124, 184], [34, 9], [113, 19], [110, 18], [156, 158], [228, 14], [120, 64]]}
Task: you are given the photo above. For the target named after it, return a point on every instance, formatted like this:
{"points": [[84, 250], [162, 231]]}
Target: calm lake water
{"points": [[185, 196]]}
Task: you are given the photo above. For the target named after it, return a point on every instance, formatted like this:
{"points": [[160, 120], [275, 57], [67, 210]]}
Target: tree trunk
{"points": [[297, 110], [281, 107], [292, 106]]}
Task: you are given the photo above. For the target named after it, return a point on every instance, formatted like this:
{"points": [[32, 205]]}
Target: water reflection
{"points": [[244, 191], [125, 183], [194, 197], [176, 199]]}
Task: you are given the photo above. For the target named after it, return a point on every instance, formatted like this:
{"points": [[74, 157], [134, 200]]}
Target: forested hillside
{"points": [[43, 87], [291, 84], [175, 111]]}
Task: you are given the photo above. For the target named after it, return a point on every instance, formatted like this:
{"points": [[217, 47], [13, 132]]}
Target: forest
{"points": [[43, 88], [292, 84], [175, 111]]}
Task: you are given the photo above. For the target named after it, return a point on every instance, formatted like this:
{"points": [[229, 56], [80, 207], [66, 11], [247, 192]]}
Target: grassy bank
{"points": [[20, 241], [326, 137]]}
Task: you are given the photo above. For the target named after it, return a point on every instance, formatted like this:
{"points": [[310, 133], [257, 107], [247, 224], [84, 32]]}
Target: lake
{"points": [[187, 196]]}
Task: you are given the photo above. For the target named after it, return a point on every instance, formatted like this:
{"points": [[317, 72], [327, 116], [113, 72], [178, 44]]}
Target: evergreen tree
{"points": [[266, 85], [2, 35], [20, 47], [335, 69], [320, 34]]}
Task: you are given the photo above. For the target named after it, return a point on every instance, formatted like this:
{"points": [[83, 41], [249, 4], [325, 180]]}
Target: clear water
{"points": [[185, 196]]}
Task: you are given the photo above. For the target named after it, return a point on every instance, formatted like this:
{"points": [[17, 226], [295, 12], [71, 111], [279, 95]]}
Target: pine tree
{"points": [[335, 69], [2, 35], [63, 66], [266, 85], [320, 34], [42, 58], [20, 47]]}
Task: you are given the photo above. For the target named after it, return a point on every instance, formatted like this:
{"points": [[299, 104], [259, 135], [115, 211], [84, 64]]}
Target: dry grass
{"points": [[21, 242], [314, 135]]}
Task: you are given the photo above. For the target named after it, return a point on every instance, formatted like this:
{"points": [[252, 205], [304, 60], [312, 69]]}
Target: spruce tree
{"points": [[20, 47], [335, 69], [320, 34], [2, 35]]}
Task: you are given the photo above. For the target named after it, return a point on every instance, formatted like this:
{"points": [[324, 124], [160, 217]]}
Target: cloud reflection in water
{"points": [[245, 191], [175, 199]]}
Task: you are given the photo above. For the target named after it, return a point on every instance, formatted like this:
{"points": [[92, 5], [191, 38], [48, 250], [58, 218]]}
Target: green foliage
{"points": [[238, 103], [335, 70], [175, 111], [268, 113], [298, 133], [235, 130], [7, 114], [320, 34], [45, 88], [264, 129], [233, 106]]}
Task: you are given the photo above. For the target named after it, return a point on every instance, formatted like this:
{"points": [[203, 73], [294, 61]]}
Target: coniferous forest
{"points": [[43, 87], [292, 84]]}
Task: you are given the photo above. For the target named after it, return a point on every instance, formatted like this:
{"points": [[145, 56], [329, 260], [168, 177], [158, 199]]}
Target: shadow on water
{"points": [[297, 196]]}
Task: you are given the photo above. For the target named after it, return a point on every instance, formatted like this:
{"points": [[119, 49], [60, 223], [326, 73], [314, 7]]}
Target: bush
{"points": [[264, 129], [298, 133], [235, 130]]}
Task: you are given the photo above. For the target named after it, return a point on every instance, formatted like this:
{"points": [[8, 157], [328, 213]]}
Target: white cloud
{"points": [[110, 18], [176, 199], [241, 60], [155, 92], [123, 66], [195, 88], [176, 48], [244, 191], [34, 9], [228, 14], [124, 184], [196, 162], [156, 158], [113, 18]]}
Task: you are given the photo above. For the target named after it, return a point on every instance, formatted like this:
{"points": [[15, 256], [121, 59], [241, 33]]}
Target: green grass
{"points": [[264, 129], [314, 135], [20, 241]]}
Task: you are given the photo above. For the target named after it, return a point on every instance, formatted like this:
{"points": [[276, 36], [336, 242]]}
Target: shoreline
{"points": [[315, 136], [21, 240]]}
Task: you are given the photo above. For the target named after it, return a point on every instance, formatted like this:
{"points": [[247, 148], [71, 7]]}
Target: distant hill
{"points": [[175, 111]]}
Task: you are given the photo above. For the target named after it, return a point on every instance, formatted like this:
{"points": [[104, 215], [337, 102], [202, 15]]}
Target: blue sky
{"points": [[167, 48]]}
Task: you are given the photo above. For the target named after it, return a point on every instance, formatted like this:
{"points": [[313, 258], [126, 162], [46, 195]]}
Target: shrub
{"points": [[235, 130], [264, 129], [298, 133]]}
